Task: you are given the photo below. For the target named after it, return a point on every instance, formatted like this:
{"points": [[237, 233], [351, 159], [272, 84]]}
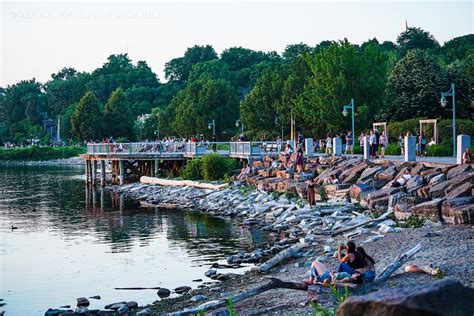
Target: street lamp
{"points": [[443, 102], [345, 112], [213, 124], [239, 122]]}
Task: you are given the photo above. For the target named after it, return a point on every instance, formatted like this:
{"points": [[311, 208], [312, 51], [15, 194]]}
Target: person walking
{"points": [[423, 145], [349, 143], [343, 142], [299, 159], [328, 145], [373, 144], [377, 142], [311, 192], [214, 145], [401, 144], [361, 143]]}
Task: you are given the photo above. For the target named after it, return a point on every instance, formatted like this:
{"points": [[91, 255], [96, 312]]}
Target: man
{"points": [[343, 142], [300, 140], [467, 156], [403, 179], [349, 143]]}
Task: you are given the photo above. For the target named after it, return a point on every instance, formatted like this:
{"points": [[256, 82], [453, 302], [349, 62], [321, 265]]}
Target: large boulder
{"points": [[437, 179], [369, 174], [351, 175], [430, 209], [440, 189], [360, 190], [458, 210], [464, 189], [414, 184], [456, 171], [444, 297], [387, 174]]}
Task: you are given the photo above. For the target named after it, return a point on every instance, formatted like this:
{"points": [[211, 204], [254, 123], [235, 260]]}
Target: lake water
{"points": [[71, 244]]}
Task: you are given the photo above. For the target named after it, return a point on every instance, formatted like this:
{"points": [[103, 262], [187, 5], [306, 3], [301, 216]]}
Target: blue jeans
{"points": [[344, 267], [369, 276]]}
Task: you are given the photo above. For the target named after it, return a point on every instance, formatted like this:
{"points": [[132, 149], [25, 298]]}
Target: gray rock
{"points": [[163, 292], [132, 304], [144, 312], [81, 311], [182, 289], [114, 304], [445, 297], [82, 302], [198, 298], [211, 272]]}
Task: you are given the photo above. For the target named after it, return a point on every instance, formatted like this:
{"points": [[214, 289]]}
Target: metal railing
{"points": [[186, 149]]}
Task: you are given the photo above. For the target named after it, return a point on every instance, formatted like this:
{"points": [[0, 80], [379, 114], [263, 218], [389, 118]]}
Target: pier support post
{"points": [[102, 199], [463, 141], [94, 172], [87, 171], [366, 143], [122, 172], [102, 173], [157, 167], [410, 148]]}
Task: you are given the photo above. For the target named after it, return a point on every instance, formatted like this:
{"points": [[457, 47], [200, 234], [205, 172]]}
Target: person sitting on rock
{"points": [[288, 150], [244, 172], [331, 180], [403, 179], [467, 156], [319, 274], [351, 260]]}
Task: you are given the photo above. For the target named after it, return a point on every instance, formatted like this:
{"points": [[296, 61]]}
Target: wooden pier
{"points": [[146, 159]]}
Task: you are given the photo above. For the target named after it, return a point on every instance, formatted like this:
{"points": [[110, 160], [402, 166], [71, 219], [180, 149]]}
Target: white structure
{"points": [[463, 141], [337, 146], [366, 143], [410, 148], [308, 146]]}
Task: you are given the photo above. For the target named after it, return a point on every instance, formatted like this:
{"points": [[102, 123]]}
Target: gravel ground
{"points": [[449, 248]]}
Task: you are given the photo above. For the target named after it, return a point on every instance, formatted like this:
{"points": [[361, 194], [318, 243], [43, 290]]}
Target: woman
{"points": [[328, 145], [299, 159], [373, 144], [383, 143], [368, 273], [401, 143], [351, 260], [361, 143], [422, 145], [288, 150], [311, 193]]}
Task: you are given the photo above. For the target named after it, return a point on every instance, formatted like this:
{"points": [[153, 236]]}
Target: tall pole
{"points": [[353, 128], [454, 120], [58, 136], [213, 127]]}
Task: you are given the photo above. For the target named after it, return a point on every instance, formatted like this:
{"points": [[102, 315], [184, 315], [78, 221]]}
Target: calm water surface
{"points": [[70, 243]]}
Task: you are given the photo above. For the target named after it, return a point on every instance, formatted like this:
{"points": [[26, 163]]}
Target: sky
{"points": [[39, 38]]}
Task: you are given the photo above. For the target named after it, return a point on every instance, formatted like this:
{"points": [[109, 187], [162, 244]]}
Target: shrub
{"points": [[40, 153], [216, 167], [192, 170]]}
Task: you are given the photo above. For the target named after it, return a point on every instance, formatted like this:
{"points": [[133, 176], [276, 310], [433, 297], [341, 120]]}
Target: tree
{"points": [[416, 38], [213, 69], [178, 68], [416, 82], [118, 121], [457, 73], [458, 48], [87, 118], [201, 102], [295, 51]]}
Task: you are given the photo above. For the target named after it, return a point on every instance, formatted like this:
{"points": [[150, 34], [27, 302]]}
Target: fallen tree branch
{"points": [[390, 269], [274, 283], [137, 288], [287, 253]]}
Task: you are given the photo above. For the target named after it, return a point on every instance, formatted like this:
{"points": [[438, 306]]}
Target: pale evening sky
{"points": [[39, 38]]}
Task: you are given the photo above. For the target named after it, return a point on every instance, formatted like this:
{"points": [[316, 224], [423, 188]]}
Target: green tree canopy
{"points": [[118, 121], [179, 68], [86, 121], [416, 38]]}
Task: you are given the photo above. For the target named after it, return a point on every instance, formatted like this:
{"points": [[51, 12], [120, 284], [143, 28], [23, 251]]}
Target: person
{"points": [[467, 156], [301, 139], [368, 273], [328, 145], [418, 147], [351, 260], [403, 179], [401, 144], [311, 193], [278, 142], [288, 150], [244, 172], [423, 145], [299, 159], [361, 143], [320, 274], [214, 145], [372, 143], [383, 143], [349, 143], [343, 142], [331, 180], [377, 142]]}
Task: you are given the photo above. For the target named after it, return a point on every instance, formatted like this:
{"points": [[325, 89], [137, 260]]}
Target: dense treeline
{"points": [[389, 81]]}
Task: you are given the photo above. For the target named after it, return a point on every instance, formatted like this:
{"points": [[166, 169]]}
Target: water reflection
{"points": [[99, 240]]}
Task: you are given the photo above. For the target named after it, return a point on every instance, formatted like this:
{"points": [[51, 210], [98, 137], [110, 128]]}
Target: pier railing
{"points": [[233, 149]]}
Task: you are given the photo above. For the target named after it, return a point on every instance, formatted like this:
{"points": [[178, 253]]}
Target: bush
{"points": [[40, 153], [216, 167], [192, 170]]}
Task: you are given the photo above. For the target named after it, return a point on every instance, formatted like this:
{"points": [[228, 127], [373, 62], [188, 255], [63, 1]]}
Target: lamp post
{"points": [[443, 102], [344, 112], [239, 123], [213, 124]]}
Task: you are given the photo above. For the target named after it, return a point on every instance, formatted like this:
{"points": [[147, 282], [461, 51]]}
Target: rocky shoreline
{"points": [[274, 200]]}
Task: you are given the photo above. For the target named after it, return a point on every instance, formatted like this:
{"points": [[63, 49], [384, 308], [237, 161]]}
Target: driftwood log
{"points": [[182, 183], [345, 229], [388, 271], [284, 254]]}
